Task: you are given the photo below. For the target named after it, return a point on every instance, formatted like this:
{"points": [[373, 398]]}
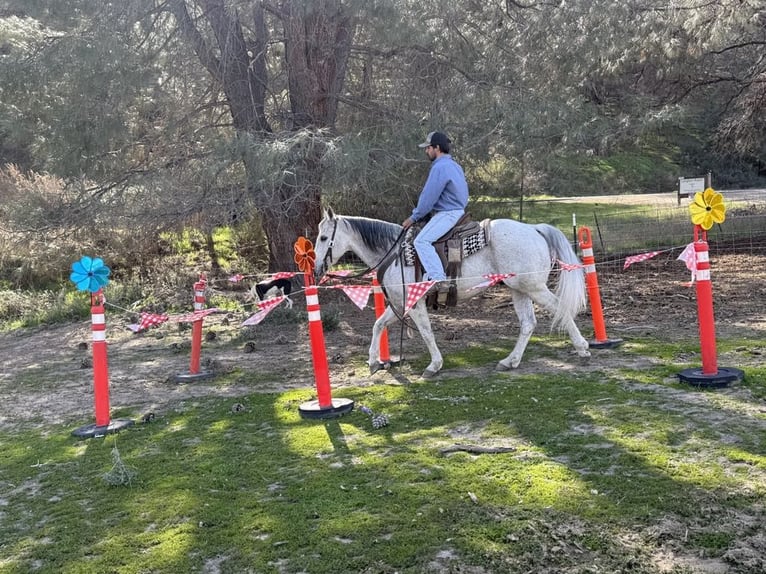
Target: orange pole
{"points": [[318, 352], [324, 407], [591, 279], [380, 307], [594, 295], [705, 305], [199, 305], [711, 374], [100, 363]]}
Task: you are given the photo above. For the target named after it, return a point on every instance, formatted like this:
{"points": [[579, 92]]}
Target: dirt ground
{"points": [[47, 375]]}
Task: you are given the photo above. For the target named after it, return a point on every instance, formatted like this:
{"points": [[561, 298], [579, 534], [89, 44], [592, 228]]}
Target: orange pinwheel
{"points": [[304, 255]]}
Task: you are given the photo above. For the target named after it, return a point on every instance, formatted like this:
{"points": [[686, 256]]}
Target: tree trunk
{"points": [[317, 37], [293, 208]]}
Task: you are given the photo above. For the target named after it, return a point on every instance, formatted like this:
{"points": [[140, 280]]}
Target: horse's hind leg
{"points": [[522, 304], [548, 301], [419, 315]]}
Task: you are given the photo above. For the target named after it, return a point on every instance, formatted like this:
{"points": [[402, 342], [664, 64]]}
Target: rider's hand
{"points": [[407, 223]]}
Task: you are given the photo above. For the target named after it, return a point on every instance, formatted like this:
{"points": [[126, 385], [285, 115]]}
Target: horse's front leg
{"points": [[419, 315], [377, 332]]}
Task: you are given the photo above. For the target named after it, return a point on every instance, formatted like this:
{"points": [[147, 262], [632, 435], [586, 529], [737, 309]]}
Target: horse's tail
{"points": [[571, 285]]}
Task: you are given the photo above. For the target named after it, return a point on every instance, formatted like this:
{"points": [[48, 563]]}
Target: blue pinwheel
{"points": [[89, 274]]}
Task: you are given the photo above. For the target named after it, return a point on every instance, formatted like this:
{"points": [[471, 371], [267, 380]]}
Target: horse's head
{"points": [[326, 246]]}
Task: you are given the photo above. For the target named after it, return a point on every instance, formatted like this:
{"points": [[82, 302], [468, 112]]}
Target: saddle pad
{"points": [[471, 244]]}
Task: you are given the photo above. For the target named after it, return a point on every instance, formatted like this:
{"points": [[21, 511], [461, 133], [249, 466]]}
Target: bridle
{"points": [[327, 260]]}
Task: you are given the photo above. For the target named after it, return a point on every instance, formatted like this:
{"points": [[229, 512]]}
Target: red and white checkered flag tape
{"points": [[415, 291], [236, 278], [359, 294], [638, 258], [147, 320], [568, 266], [265, 307], [492, 279], [196, 316]]}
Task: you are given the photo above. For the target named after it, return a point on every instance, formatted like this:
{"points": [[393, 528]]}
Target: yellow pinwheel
{"points": [[707, 209]]}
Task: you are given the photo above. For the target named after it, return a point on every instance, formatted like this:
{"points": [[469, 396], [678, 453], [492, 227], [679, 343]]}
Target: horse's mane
{"points": [[376, 234]]}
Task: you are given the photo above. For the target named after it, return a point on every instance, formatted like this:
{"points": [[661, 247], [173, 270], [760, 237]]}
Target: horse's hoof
{"points": [[501, 368], [375, 368], [585, 359], [429, 374]]}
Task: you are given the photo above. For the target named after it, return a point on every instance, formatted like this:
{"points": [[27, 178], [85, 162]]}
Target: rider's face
{"points": [[431, 152]]}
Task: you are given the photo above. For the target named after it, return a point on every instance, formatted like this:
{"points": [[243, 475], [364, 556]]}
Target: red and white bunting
{"points": [[492, 279], [359, 294], [265, 307], [196, 316], [414, 292], [236, 278], [689, 257], [271, 302], [335, 275], [283, 275], [568, 266], [147, 320], [630, 260]]}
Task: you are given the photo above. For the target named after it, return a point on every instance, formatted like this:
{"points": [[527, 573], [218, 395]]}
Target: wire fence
{"points": [[653, 224]]}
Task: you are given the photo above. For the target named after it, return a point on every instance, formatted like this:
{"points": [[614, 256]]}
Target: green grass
{"points": [[602, 463]]}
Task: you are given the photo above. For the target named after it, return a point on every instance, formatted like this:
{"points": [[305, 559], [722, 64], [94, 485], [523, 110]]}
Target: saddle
{"points": [[465, 238]]}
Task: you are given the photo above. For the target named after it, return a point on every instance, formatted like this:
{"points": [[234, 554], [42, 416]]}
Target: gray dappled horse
{"points": [[528, 251]]}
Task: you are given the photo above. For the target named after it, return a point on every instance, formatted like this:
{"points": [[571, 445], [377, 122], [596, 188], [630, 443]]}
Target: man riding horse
{"points": [[444, 197]]}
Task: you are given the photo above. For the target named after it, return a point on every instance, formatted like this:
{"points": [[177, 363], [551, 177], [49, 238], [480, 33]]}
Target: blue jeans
{"points": [[441, 222]]}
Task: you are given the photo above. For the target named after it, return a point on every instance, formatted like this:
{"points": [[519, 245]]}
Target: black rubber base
{"points": [[95, 431], [339, 407], [605, 344], [191, 378], [722, 378]]}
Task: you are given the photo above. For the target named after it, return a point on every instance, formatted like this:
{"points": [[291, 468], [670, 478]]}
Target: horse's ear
{"points": [[328, 213]]}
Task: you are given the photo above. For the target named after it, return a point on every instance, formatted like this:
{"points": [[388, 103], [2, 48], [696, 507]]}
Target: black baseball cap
{"points": [[437, 138]]}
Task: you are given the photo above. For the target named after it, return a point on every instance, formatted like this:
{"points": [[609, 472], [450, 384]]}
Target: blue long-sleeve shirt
{"points": [[444, 190]]}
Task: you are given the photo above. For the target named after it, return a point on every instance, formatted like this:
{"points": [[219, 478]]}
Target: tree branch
{"points": [[203, 51]]}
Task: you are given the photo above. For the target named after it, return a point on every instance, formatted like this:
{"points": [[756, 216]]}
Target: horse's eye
{"points": [[322, 238]]}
